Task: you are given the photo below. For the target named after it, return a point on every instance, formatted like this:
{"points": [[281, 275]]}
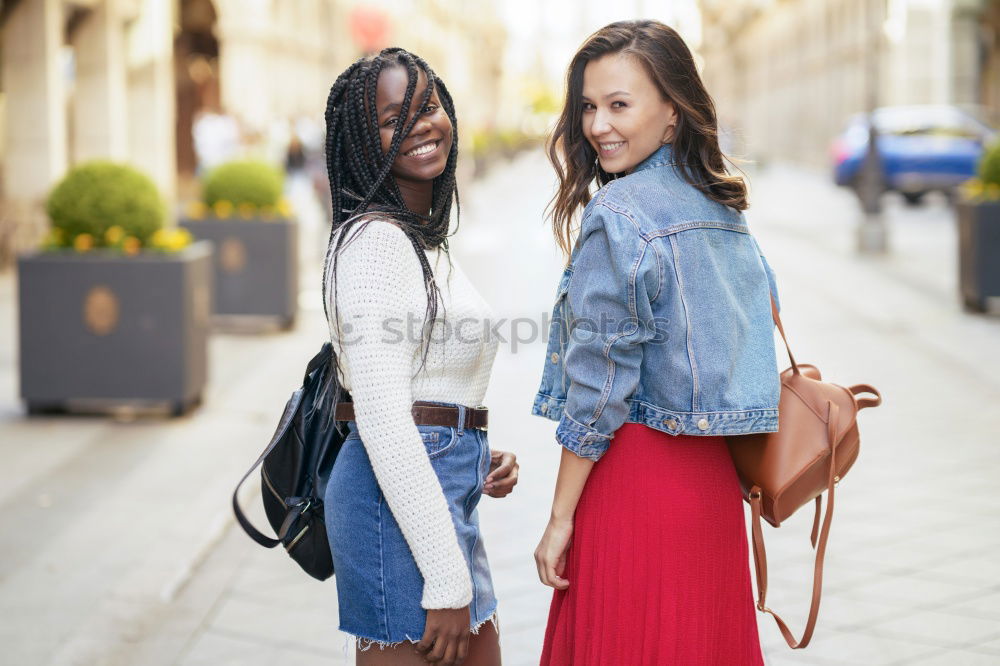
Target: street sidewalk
{"points": [[118, 547]]}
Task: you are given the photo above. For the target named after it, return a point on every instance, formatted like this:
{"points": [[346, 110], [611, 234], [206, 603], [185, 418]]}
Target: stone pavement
{"points": [[116, 545]]}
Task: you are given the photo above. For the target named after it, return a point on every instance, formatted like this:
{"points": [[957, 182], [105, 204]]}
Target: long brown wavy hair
{"points": [[670, 65]]}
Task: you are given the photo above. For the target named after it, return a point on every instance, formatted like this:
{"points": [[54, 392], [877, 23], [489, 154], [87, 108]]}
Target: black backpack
{"points": [[295, 467]]}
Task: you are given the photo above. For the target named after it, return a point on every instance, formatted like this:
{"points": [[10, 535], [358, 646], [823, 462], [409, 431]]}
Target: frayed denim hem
{"points": [[364, 644], [493, 618]]}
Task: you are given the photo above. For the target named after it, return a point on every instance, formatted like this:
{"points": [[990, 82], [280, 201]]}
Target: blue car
{"points": [[922, 148]]}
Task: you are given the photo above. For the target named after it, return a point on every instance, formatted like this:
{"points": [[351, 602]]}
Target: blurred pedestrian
{"points": [[295, 157], [216, 138], [662, 346], [401, 501], [310, 212]]}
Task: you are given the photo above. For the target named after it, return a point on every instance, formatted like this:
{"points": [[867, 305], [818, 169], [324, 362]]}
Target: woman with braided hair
{"points": [[411, 571]]}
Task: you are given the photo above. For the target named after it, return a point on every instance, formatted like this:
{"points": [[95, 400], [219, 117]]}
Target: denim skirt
{"points": [[379, 587]]}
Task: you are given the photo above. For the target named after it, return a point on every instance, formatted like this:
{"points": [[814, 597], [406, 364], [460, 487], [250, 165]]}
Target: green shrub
{"points": [[244, 182], [507, 142], [989, 165], [482, 142], [97, 195]]}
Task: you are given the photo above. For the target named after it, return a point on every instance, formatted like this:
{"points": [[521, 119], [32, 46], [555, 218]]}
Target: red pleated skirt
{"points": [[658, 565]]}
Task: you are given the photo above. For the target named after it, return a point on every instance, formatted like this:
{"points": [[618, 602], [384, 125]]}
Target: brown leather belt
{"points": [[426, 413]]}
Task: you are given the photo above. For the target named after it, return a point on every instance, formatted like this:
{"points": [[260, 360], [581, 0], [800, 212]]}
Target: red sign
{"points": [[369, 28]]}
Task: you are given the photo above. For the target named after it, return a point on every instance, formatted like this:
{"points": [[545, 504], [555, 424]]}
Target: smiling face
{"points": [[625, 118], [423, 154]]}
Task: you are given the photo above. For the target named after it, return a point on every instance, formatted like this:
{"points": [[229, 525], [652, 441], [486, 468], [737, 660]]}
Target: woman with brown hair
{"points": [[661, 345]]}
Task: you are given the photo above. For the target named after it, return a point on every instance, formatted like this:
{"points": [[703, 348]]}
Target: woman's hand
{"points": [[550, 556], [446, 636], [503, 474]]}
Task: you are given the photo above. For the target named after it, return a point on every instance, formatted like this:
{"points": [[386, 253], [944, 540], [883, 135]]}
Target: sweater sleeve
{"points": [[379, 290]]}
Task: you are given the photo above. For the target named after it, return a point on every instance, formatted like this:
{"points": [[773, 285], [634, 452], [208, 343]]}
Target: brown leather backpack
{"points": [[816, 444]]}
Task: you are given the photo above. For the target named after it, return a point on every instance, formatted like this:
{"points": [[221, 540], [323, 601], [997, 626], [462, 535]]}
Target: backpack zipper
{"points": [[289, 547], [270, 486]]}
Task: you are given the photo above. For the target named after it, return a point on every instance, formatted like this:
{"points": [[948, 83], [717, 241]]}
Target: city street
{"points": [[117, 544]]}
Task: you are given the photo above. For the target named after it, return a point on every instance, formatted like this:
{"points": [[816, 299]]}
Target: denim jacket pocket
{"points": [[563, 285], [562, 315], [553, 377]]}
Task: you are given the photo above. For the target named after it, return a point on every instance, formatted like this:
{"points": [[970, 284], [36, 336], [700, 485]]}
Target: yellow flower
{"points": [[83, 242], [159, 238], [131, 245], [247, 210], [972, 189], [285, 208], [179, 239], [171, 240], [53, 239], [196, 210], [114, 234], [223, 208]]}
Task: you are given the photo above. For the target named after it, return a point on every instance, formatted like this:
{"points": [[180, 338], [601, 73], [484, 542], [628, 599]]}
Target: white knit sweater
{"points": [[379, 295]]}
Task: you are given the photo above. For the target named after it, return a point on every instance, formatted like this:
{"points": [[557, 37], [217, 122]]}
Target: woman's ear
{"points": [[668, 134]]}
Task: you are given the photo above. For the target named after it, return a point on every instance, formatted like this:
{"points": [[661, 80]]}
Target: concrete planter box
{"points": [[100, 330], [256, 267], [979, 255]]}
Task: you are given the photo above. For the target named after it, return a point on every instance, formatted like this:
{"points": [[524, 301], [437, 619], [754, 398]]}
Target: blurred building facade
{"points": [[463, 42], [128, 80], [787, 74]]}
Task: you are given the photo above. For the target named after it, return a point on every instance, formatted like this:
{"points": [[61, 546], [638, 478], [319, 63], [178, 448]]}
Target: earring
{"points": [[597, 166]]}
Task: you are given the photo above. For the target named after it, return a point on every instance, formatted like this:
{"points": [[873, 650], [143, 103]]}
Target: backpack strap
{"points": [[321, 358], [760, 555], [286, 419], [292, 406], [781, 329], [866, 402]]}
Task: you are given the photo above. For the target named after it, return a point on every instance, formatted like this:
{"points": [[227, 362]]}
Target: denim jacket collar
{"points": [[662, 155]]}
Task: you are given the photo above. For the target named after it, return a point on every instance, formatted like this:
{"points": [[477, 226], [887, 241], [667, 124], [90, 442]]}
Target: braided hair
{"points": [[359, 172]]}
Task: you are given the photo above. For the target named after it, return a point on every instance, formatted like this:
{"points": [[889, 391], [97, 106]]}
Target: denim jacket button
{"points": [[544, 408], [703, 424], [670, 423], [554, 358]]}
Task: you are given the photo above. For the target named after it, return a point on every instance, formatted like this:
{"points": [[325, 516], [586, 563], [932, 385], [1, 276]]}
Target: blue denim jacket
{"points": [[662, 317]]}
